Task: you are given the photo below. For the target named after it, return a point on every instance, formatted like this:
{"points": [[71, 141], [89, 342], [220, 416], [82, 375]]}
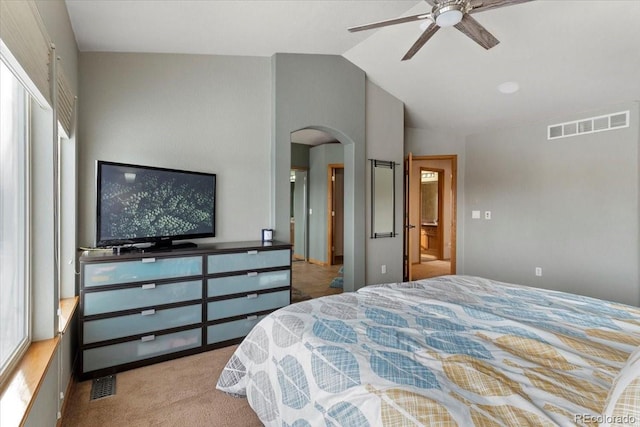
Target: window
{"points": [[14, 196]]}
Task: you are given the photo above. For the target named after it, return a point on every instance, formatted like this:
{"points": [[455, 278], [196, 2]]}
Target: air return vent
{"points": [[103, 387], [590, 125]]}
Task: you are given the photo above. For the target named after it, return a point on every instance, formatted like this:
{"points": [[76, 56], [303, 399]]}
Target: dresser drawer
{"points": [[248, 282], [249, 260], [249, 304], [141, 323], [132, 351], [231, 330], [109, 273], [146, 295]]}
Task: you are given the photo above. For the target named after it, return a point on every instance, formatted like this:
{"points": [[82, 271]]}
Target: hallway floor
{"points": [[314, 279]]}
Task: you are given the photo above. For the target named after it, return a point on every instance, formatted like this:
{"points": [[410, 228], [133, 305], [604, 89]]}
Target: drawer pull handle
{"points": [[251, 296], [252, 252], [148, 260], [252, 317], [148, 312], [252, 273], [149, 286], [148, 338]]}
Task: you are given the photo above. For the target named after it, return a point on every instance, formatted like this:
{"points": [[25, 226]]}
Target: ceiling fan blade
{"points": [[426, 35], [482, 5], [476, 32], [388, 22]]}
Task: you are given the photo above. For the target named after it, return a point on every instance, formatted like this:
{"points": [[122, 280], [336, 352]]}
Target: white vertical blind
{"points": [[24, 35], [22, 31], [65, 101]]}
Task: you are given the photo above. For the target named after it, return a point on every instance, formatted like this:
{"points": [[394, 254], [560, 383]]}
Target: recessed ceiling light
{"points": [[509, 87]]}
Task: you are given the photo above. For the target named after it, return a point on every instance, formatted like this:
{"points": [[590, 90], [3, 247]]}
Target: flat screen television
{"points": [[145, 204]]}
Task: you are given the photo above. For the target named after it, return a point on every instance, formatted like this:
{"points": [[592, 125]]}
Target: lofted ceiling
{"points": [[567, 56]]}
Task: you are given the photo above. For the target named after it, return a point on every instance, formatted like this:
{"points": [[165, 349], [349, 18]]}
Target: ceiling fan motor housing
{"points": [[447, 13]]}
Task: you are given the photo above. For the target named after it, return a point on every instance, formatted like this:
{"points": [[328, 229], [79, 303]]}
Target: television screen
{"points": [[149, 204]]}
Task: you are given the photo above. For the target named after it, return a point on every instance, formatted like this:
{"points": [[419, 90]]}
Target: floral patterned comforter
{"points": [[453, 350]]}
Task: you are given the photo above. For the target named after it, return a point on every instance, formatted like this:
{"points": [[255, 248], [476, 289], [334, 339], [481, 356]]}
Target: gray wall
{"points": [[218, 114], [385, 141], [300, 155], [194, 112], [327, 93], [569, 206]]}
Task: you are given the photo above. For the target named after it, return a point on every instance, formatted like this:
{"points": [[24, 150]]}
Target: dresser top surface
{"points": [[201, 249]]}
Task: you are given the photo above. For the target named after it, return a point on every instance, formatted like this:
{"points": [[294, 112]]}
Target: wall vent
{"points": [[594, 124]]}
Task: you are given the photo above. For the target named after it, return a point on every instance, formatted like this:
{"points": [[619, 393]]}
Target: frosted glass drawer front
{"points": [[231, 330], [249, 304], [247, 282], [109, 273], [141, 296], [132, 351], [249, 260], [143, 322]]}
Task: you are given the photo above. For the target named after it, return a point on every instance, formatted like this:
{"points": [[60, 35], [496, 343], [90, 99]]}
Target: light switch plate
{"points": [[475, 214]]}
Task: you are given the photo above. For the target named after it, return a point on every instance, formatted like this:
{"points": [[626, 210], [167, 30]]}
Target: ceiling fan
{"points": [[449, 13]]}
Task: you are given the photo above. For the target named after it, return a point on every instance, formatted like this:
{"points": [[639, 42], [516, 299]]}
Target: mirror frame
{"points": [[375, 203]]}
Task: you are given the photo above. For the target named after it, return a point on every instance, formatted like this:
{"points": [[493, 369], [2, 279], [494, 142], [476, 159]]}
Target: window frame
{"points": [[19, 352]]}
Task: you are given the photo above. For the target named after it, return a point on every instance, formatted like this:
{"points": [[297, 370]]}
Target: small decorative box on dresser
{"points": [[140, 308]]}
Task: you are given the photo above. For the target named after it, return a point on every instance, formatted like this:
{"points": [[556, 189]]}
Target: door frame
{"points": [[440, 233], [305, 225], [331, 168], [453, 159]]}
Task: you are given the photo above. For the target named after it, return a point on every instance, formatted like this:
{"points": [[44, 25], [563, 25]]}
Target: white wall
{"points": [[194, 112], [55, 17], [48, 400]]}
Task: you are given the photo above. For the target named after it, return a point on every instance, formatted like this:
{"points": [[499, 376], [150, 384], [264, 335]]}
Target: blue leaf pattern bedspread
{"points": [[453, 350]]}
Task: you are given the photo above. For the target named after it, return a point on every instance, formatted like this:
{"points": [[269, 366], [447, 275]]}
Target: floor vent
{"points": [[591, 125], [103, 387]]}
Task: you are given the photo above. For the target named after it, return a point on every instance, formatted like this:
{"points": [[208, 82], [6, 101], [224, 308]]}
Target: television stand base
{"points": [[185, 245], [175, 246]]}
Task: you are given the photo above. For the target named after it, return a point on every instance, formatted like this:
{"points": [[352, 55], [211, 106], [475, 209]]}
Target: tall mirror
{"points": [[383, 218]]}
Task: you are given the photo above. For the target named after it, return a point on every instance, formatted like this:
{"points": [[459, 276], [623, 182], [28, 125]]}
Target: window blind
{"points": [[22, 31], [24, 35], [65, 101]]}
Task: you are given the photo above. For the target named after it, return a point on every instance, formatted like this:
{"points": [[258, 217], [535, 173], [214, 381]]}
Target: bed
{"points": [[452, 350]]}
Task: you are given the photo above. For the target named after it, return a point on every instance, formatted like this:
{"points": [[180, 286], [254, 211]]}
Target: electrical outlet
{"points": [[539, 271], [487, 214], [383, 269]]}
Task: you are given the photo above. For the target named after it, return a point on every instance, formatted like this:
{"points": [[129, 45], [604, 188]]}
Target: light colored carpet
{"points": [[179, 392]]}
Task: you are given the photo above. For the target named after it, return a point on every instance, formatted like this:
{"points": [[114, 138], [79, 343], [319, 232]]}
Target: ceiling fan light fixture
{"points": [[448, 16]]}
